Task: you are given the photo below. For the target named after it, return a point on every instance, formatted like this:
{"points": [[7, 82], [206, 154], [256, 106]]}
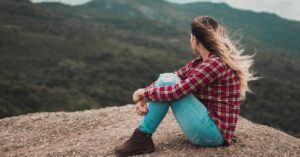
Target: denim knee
{"points": [[165, 79]]}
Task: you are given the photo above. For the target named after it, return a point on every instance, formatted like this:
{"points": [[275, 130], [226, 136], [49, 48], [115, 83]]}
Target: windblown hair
{"points": [[215, 38]]}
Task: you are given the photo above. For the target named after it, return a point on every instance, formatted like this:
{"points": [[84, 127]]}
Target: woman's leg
{"points": [[151, 120], [156, 110], [141, 142], [195, 121]]}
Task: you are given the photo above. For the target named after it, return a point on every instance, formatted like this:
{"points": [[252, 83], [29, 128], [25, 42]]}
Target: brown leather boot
{"points": [[138, 143]]}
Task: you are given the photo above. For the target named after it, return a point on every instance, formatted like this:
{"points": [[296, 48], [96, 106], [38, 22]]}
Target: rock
{"points": [[96, 132]]}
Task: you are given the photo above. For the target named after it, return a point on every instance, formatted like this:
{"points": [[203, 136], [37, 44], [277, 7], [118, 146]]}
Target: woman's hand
{"points": [[138, 95], [141, 107]]}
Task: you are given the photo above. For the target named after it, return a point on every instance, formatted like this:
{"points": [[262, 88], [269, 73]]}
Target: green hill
{"points": [[59, 57]]}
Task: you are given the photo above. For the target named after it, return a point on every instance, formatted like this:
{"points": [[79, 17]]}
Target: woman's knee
{"points": [[167, 79]]}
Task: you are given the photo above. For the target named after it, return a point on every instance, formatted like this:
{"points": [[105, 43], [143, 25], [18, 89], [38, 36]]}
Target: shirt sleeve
{"points": [[207, 72], [152, 85]]}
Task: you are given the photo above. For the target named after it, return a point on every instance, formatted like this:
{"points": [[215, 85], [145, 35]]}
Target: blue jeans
{"points": [[190, 113]]}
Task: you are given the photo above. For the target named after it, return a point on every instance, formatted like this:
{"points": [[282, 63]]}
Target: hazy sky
{"points": [[285, 8]]}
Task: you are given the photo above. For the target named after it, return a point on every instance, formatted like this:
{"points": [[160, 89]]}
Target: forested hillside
{"points": [[58, 57]]}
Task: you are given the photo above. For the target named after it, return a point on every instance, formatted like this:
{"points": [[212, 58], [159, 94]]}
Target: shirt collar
{"points": [[199, 58]]}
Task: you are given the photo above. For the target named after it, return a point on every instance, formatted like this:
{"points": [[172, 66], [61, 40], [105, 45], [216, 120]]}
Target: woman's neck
{"points": [[204, 53]]}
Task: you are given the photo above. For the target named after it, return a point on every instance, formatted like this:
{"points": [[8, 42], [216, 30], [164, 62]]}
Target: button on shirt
{"points": [[213, 83]]}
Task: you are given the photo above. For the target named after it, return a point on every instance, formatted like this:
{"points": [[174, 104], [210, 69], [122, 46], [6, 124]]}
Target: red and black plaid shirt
{"points": [[212, 82]]}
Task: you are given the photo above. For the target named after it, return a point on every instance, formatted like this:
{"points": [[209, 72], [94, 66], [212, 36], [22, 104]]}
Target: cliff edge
{"points": [[96, 132]]}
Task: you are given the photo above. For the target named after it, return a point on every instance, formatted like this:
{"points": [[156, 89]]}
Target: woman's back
{"points": [[221, 97]]}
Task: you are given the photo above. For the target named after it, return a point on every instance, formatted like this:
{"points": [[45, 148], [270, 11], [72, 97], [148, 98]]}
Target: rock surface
{"points": [[96, 132]]}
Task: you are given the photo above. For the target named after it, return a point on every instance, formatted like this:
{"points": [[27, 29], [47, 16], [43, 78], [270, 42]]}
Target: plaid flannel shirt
{"points": [[212, 82]]}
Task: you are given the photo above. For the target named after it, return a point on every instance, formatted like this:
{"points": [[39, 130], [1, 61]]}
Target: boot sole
{"points": [[135, 153]]}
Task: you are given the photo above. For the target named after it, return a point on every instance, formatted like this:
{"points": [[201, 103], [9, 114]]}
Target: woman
{"points": [[204, 94]]}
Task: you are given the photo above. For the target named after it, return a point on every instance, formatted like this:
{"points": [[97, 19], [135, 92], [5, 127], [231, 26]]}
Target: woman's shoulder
{"points": [[225, 68], [214, 60]]}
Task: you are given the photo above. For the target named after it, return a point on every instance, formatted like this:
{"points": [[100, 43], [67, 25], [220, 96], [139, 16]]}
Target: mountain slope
{"points": [[96, 132], [68, 51], [265, 27], [56, 57]]}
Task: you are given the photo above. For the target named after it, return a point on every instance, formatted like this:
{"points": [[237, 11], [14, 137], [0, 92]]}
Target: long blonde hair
{"points": [[215, 38]]}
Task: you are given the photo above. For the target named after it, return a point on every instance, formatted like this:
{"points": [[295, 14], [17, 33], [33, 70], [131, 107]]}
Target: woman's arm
{"points": [[207, 72]]}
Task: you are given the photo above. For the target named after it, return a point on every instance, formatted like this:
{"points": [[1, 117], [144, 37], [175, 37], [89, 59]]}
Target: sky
{"points": [[289, 9]]}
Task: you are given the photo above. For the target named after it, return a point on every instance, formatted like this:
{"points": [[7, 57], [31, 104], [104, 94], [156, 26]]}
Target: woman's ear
{"points": [[195, 40]]}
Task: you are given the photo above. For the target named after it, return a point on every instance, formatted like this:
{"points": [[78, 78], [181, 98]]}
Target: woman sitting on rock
{"points": [[204, 94]]}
